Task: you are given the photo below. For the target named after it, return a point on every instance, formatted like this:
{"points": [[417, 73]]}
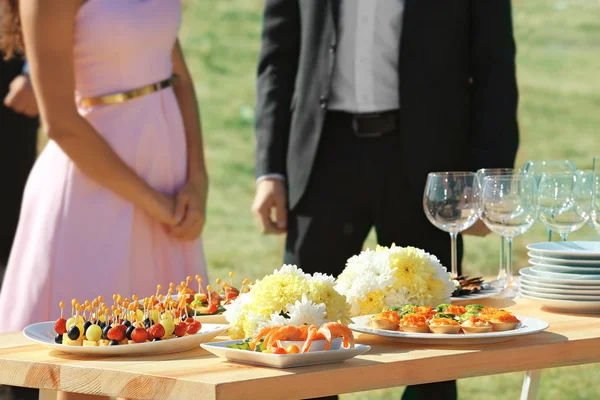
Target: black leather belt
{"points": [[371, 125]]}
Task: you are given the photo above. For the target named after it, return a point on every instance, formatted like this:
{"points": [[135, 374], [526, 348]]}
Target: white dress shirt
{"points": [[365, 74]]}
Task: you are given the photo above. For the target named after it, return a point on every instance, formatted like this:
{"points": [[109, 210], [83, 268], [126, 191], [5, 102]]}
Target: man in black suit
{"points": [[357, 100]]}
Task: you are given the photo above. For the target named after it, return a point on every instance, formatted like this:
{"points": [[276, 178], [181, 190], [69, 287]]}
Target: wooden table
{"points": [[570, 340]]}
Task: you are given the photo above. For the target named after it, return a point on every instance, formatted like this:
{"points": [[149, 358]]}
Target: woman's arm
{"points": [[48, 28], [186, 97], [191, 200]]}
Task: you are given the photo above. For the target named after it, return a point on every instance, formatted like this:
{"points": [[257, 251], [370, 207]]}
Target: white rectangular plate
{"points": [[220, 349], [526, 327]]}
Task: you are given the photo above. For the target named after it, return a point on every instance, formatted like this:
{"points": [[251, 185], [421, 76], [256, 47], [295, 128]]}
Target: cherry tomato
{"points": [[279, 350], [212, 308]]}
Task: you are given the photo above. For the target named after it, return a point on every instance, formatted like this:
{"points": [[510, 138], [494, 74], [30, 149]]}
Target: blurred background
{"points": [[558, 57]]}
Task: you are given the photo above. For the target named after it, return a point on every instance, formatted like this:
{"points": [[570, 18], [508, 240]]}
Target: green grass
{"points": [[558, 62]]}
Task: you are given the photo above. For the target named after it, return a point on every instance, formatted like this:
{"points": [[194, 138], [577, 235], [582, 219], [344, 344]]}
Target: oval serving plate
{"points": [[527, 326], [43, 333]]}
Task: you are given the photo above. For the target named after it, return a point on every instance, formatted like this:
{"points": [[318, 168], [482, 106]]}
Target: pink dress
{"points": [[77, 239]]}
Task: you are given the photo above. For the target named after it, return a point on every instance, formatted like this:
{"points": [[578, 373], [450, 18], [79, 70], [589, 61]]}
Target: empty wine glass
{"points": [[451, 203], [538, 168], [565, 201], [500, 281], [595, 214], [508, 208]]}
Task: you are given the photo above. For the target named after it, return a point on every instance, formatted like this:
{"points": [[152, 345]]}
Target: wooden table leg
{"points": [[531, 384], [47, 394]]}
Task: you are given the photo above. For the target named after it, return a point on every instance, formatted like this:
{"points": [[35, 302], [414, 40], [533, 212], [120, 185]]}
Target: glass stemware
{"points": [[538, 168], [595, 214], [500, 281], [508, 208], [565, 201], [451, 203]]}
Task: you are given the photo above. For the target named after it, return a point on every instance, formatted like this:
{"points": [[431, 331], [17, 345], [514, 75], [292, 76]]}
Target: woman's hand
{"points": [[190, 208], [162, 209]]}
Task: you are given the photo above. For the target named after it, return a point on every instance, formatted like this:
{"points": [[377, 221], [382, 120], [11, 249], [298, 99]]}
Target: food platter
{"points": [[43, 333], [217, 318], [527, 326], [212, 319], [220, 349]]}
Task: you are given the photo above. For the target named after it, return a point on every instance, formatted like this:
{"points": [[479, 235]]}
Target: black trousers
{"points": [[357, 184], [18, 150]]}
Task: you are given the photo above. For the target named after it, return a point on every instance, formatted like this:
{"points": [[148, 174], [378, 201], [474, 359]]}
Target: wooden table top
{"points": [[570, 340]]}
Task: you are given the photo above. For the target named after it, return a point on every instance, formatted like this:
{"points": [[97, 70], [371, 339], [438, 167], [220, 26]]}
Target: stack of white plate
{"points": [[563, 276]]}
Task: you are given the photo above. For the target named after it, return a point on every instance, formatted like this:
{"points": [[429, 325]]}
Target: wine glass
{"points": [[451, 203], [565, 201], [538, 168], [500, 281], [595, 214], [508, 208]]}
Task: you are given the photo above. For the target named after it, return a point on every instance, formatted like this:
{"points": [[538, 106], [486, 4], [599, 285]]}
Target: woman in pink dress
{"points": [[116, 201]]}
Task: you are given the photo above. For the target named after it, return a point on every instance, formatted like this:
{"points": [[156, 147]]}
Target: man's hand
{"points": [[270, 206], [478, 229], [21, 98]]}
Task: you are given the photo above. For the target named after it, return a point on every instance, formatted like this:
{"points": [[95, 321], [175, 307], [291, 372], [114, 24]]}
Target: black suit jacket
{"points": [[458, 87]]}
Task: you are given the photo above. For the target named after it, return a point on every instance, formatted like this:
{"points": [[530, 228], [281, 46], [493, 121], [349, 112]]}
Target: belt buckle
{"points": [[356, 118]]}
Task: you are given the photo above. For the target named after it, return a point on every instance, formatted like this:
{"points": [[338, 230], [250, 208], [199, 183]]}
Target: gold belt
{"points": [[128, 95]]}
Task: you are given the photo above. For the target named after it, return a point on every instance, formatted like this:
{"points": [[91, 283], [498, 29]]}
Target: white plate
{"points": [[208, 319], [526, 327], [220, 349], [577, 249], [562, 261], [550, 277], [212, 319], [558, 296], [43, 333], [534, 282], [540, 266], [576, 306], [578, 291], [485, 293]]}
